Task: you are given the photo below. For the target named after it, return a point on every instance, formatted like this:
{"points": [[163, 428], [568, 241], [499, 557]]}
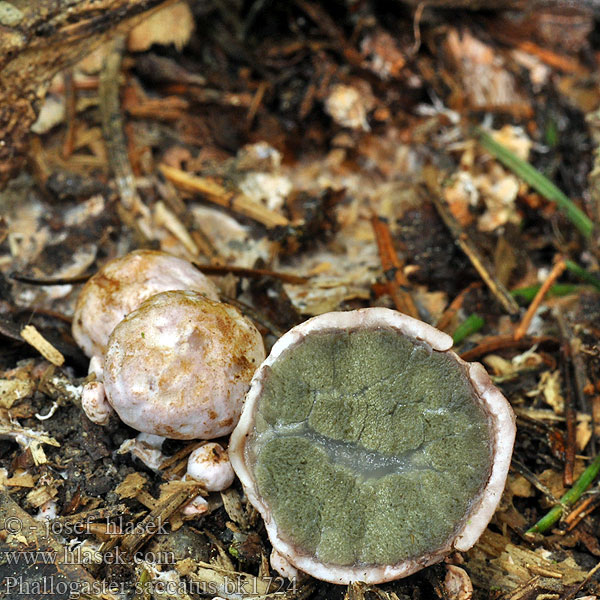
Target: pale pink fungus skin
{"points": [[457, 584], [210, 466], [93, 403], [502, 435], [121, 285], [196, 507], [180, 365], [282, 566]]}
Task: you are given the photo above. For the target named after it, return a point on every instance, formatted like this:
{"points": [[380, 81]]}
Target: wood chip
{"points": [[131, 486], [217, 194], [23, 479], [34, 338]]}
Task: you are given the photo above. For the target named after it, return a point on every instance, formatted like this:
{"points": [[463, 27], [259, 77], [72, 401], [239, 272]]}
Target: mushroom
{"points": [[121, 285], [210, 466], [147, 448], [179, 367], [371, 449]]}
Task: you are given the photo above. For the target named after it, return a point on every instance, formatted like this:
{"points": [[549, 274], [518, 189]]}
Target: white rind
{"points": [[502, 434], [503, 431]]}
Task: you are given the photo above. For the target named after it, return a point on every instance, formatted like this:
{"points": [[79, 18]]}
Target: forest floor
{"points": [[308, 157]]}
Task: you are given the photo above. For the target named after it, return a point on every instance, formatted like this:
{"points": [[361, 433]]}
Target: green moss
{"points": [[369, 447]]}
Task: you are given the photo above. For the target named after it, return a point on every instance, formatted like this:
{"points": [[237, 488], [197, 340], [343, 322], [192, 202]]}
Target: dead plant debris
{"points": [[308, 157]]}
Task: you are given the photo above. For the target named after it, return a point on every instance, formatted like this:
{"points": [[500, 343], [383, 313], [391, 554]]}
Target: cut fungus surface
{"points": [[369, 448]]}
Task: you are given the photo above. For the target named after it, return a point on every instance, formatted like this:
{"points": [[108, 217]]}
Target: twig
{"points": [[579, 369], [34, 338], [455, 306], [579, 586], [503, 342], [556, 61], [582, 510], [569, 498], [217, 194], [416, 28], [70, 110], [392, 268], [113, 133], [256, 102], [466, 245], [178, 206], [245, 272], [538, 182], [556, 272], [50, 280], [533, 480], [150, 524]]}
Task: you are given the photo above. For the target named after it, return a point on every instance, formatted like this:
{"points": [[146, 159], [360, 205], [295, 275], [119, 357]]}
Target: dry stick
{"points": [[34, 338], [164, 508], [503, 342], [217, 194], [50, 280], [256, 102], [556, 272], [581, 511], [579, 586], [179, 207], [392, 268], [113, 132], [71, 113], [246, 272], [570, 415], [496, 287], [455, 306], [580, 374]]}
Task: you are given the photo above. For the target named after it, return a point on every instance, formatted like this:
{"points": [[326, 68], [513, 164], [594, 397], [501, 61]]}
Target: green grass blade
{"points": [[538, 182], [569, 498], [582, 274], [527, 294], [470, 325]]}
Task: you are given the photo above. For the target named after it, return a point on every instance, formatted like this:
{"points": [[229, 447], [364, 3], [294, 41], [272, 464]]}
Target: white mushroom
{"points": [[196, 507], [147, 448], [179, 366], [121, 285], [371, 449], [457, 583], [210, 466], [93, 403]]}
